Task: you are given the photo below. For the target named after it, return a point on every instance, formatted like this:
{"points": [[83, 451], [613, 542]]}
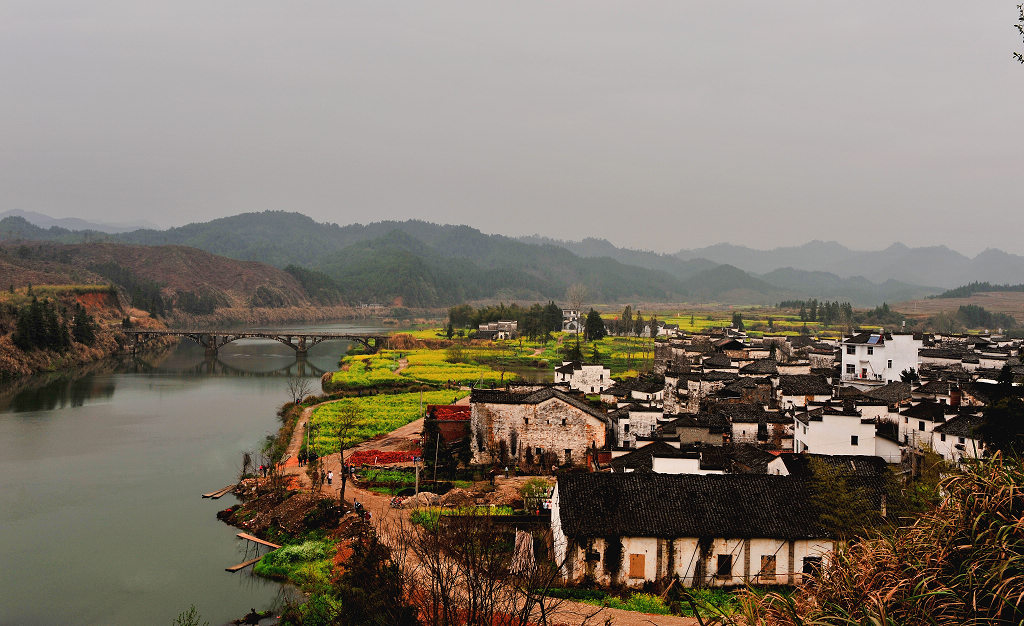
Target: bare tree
{"points": [[1020, 30], [347, 422], [462, 572], [299, 388], [576, 294]]}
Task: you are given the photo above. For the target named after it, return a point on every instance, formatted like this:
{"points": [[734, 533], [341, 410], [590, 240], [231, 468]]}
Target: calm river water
{"points": [[101, 520]]}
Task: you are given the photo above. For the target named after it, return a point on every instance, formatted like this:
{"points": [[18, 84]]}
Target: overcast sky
{"points": [[659, 125]]}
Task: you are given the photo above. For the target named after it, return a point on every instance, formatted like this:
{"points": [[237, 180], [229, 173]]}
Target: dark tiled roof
{"points": [[747, 412], [936, 387], [569, 367], [866, 338], [643, 458], [965, 425], [892, 393], [858, 465], [717, 360], [687, 505], [761, 366], [716, 423], [931, 411], [747, 458], [535, 397], [804, 385]]}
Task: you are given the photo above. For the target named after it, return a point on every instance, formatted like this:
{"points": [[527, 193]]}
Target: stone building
{"points": [[546, 426]]}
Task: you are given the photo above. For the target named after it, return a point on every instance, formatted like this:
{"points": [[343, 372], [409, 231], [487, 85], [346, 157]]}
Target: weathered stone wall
{"points": [[550, 426]]}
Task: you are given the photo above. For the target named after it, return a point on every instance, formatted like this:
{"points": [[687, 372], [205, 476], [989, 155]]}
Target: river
{"points": [[101, 520]]}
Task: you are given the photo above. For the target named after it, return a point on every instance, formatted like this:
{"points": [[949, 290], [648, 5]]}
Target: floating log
{"points": [[221, 491]]}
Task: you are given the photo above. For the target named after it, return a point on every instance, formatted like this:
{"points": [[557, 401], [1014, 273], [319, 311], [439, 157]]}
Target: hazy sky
{"points": [[659, 125]]}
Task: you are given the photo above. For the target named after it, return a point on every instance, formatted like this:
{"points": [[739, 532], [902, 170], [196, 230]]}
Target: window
{"points": [[625, 428], [526, 421], [539, 451], [854, 440], [768, 566], [920, 425], [563, 421], [906, 420], [889, 363], [961, 440], [871, 350], [851, 350], [942, 436], [850, 368], [568, 455], [812, 565], [636, 566], [724, 566]]}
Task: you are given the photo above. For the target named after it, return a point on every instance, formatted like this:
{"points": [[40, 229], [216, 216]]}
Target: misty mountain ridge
{"points": [[74, 223], [937, 266], [418, 263]]}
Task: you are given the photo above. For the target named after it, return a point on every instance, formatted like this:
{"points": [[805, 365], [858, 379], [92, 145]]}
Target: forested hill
{"points": [[419, 264], [166, 281]]}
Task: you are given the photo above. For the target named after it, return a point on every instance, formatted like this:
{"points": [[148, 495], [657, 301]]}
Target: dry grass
{"points": [[961, 563], [1011, 302]]}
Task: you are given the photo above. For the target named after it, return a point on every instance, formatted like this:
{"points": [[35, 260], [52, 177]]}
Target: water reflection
{"points": [[58, 393], [92, 383]]}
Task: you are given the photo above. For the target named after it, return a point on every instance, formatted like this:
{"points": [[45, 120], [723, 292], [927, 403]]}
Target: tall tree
{"points": [[594, 329], [1003, 429]]}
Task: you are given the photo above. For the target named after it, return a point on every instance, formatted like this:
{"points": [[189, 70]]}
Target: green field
{"points": [[375, 415]]}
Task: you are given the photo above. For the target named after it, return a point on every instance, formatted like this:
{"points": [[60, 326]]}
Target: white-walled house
{"points": [[799, 390], [632, 421], [584, 377], [879, 357], [572, 321], [723, 531], [918, 421], [833, 430], [958, 439]]}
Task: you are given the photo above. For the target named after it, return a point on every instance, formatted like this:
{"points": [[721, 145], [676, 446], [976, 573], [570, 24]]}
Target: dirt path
{"points": [[389, 521], [403, 364]]}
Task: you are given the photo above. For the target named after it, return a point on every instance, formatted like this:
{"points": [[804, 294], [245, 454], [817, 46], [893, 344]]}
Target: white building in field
{"points": [[879, 357], [583, 377], [709, 530]]}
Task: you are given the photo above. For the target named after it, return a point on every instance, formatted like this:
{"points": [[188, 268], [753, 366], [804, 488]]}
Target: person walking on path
{"points": [[330, 477]]}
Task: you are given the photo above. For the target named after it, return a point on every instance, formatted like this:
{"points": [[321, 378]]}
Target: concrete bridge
{"points": [[214, 340]]}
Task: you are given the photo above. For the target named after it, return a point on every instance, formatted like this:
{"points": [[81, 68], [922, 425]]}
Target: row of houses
{"points": [[700, 469]]}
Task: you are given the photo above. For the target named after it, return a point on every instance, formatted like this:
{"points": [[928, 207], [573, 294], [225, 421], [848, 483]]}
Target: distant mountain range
{"points": [[935, 265], [420, 264], [73, 223]]}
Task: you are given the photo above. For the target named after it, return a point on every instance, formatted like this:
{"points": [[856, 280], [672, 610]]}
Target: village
{"points": [[714, 468]]}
